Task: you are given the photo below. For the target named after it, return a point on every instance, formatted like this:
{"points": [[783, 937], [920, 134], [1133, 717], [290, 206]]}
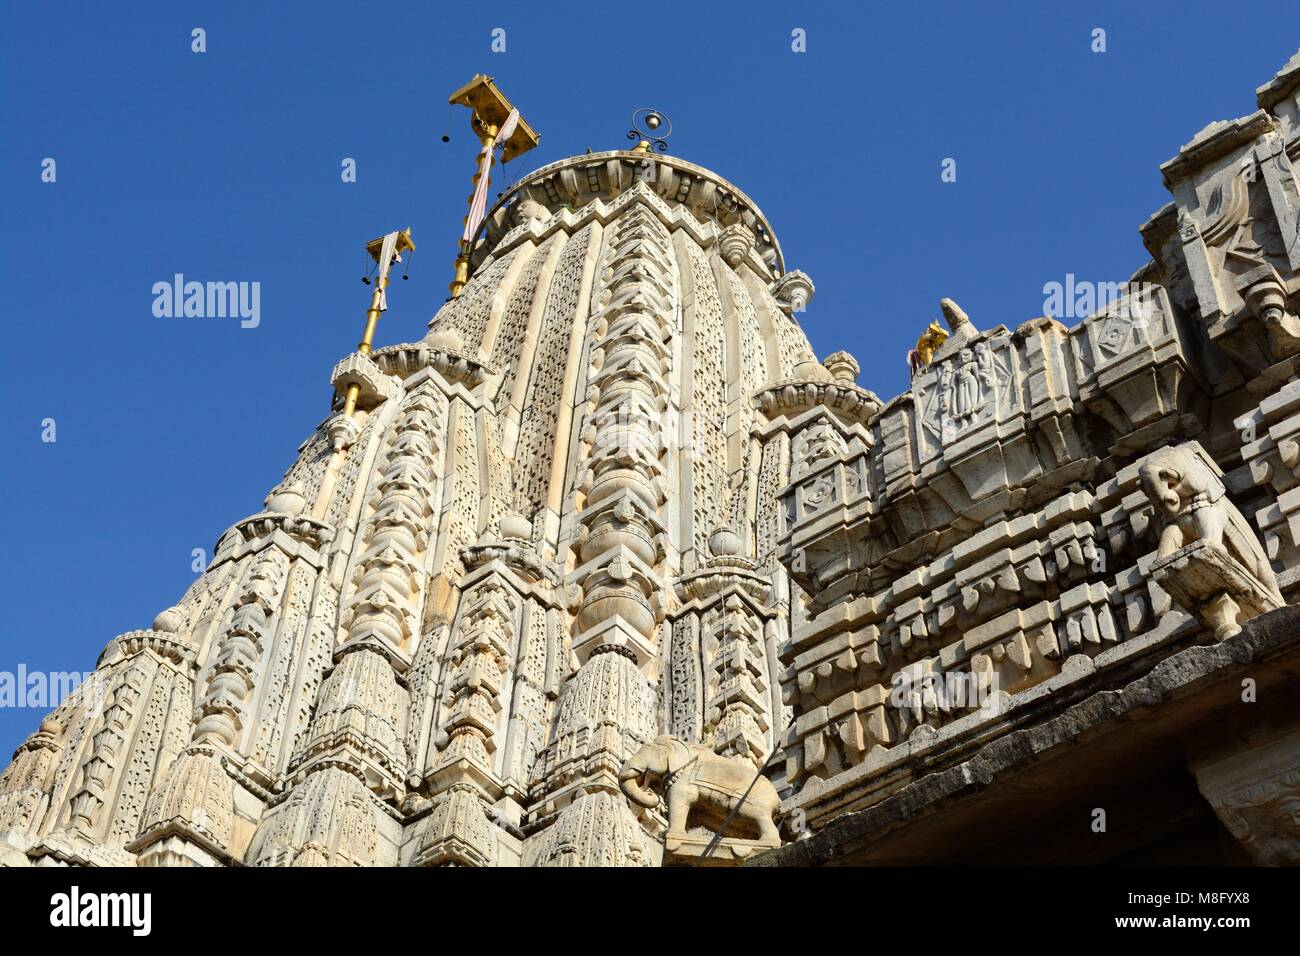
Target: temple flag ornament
{"points": [[498, 125], [607, 568]]}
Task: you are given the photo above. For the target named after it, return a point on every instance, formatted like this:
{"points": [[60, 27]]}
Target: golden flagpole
{"points": [[489, 110]]}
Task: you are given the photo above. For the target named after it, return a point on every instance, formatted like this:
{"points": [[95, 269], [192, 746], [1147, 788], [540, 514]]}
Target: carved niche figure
{"points": [[528, 210], [967, 399], [1191, 505], [976, 382], [970, 386], [691, 775]]}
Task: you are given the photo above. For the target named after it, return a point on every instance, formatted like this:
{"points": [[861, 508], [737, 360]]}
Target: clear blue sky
{"points": [[226, 166]]}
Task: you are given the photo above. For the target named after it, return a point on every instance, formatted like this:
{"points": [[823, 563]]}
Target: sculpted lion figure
{"points": [[691, 774], [1191, 505]]}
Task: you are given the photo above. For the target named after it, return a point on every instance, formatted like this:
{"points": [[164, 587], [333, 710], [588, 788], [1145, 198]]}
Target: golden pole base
{"points": [[462, 275]]}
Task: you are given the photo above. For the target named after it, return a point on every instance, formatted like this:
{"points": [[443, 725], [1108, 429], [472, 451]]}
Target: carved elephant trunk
{"points": [[632, 782], [692, 774]]}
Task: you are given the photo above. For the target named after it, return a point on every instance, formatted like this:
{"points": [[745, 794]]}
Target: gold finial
{"points": [[495, 122], [343, 428], [385, 251]]}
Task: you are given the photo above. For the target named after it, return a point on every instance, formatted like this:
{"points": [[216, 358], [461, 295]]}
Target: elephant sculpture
{"points": [[690, 774], [1191, 504]]}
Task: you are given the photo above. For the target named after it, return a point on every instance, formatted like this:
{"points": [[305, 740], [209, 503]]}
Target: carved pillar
{"points": [[1255, 791], [355, 748], [475, 773], [728, 603], [618, 549]]}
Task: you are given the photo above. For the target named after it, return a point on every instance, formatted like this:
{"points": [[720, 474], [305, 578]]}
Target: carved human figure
{"points": [[529, 209], [1191, 505], [691, 774], [968, 386], [945, 389], [984, 361]]}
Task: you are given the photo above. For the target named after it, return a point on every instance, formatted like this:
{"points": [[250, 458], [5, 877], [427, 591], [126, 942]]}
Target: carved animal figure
{"points": [[690, 774], [1191, 505]]}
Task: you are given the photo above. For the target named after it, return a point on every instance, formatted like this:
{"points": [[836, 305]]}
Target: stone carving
{"points": [[818, 443], [1004, 530], [1208, 557], [695, 778], [612, 494], [1190, 505], [793, 291], [360, 370], [1255, 789], [843, 367], [735, 242], [971, 387], [958, 321]]}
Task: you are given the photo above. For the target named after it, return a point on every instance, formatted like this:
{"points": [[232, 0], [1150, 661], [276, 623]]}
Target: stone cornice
{"points": [[1215, 140], [171, 647], [578, 180], [598, 210], [1281, 85], [519, 556], [407, 358], [315, 534], [850, 402]]}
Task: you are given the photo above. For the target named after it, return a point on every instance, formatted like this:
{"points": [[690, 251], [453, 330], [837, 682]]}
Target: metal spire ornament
{"points": [[495, 122], [653, 139]]}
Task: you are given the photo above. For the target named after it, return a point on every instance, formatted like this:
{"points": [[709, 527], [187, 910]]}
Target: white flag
{"points": [[478, 207]]}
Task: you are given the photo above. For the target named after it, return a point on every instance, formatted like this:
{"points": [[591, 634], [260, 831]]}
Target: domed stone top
{"points": [[289, 501], [572, 183], [725, 543], [170, 620], [517, 527]]}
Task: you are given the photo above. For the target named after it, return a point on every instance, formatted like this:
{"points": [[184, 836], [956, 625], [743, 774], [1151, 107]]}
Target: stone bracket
{"points": [[376, 386]]}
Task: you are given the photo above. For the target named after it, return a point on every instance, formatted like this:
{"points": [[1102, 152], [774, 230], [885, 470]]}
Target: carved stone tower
{"points": [[546, 535]]}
